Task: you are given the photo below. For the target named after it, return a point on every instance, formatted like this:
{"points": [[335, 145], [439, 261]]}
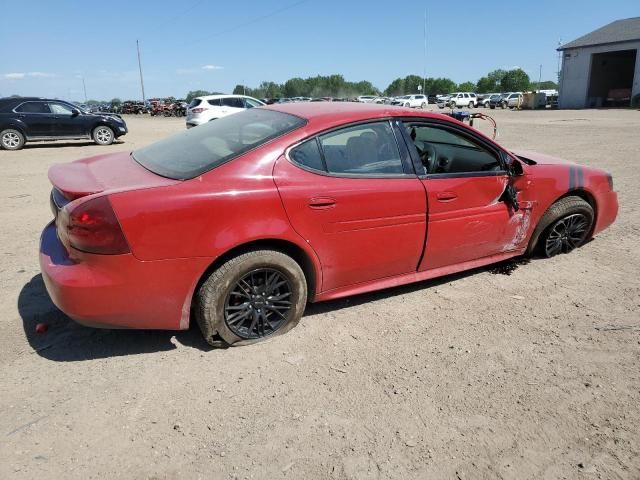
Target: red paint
{"points": [[359, 234], [41, 328]]}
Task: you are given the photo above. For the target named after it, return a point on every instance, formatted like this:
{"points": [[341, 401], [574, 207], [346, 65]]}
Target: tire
{"points": [[567, 209], [504, 105], [470, 105], [407, 105], [228, 319], [486, 104], [452, 104], [423, 106], [11, 139], [103, 135], [492, 107]]}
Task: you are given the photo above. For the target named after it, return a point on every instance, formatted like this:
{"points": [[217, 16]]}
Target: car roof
{"points": [[212, 97], [328, 114]]}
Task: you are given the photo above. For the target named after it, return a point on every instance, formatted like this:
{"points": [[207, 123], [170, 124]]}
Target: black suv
{"points": [[29, 119]]}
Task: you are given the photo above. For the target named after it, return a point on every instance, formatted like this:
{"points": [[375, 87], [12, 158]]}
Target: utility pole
{"points": [[424, 70], [540, 77], [84, 86], [144, 100]]}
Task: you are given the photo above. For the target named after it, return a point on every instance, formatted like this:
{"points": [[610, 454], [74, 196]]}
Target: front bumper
{"points": [[119, 291], [120, 130]]}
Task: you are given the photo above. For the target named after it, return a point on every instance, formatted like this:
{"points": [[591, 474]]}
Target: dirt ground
{"points": [[479, 375]]}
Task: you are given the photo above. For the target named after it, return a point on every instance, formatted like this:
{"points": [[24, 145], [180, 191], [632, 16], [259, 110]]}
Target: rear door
{"points": [[38, 118], [353, 196], [231, 105], [469, 217]]}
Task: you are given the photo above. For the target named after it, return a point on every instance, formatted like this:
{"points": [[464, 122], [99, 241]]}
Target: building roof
{"points": [[619, 31]]}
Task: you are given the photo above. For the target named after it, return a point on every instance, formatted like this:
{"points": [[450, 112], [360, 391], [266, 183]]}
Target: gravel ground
{"points": [[478, 375]]}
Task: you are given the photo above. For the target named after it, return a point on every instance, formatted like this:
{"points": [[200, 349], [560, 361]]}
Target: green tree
{"points": [[437, 86], [515, 80], [467, 87], [116, 102], [548, 85], [195, 93], [492, 82]]}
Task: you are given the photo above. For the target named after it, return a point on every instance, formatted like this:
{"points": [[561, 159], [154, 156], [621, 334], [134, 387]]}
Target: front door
{"points": [[67, 124], [465, 179], [352, 197]]}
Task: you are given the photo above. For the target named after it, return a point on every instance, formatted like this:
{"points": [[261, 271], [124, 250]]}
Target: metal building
{"points": [[602, 68]]}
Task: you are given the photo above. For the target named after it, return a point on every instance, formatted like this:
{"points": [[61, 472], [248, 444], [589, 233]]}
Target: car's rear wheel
{"points": [[11, 139], [505, 105], [564, 227], [103, 135], [251, 297], [407, 105], [423, 106], [470, 105]]}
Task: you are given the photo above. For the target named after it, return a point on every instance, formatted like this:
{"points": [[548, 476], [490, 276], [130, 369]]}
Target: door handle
{"points": [[318, 203], [446, 196]]}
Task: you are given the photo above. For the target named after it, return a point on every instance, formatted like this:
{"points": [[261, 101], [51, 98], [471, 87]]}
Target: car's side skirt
{"points": [[58, 137], [413, 277]]}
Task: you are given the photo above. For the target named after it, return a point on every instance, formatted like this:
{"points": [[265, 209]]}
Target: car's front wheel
{"points": [[251, 297], [103, 135], [564, 227], [11, 139]]}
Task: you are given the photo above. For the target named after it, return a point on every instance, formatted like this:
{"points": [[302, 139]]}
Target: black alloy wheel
{"points": [[258, 304], [567, 234]]}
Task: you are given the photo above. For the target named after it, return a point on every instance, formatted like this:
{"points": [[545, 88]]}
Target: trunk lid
{"points": [[113, 172]]}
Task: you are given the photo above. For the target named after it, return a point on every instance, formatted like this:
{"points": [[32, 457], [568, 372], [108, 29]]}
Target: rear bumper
{"points": [[607, 211], [119, 291]]}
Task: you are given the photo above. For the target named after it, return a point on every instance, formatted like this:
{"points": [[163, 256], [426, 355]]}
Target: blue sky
{"points": [[213, 45]]}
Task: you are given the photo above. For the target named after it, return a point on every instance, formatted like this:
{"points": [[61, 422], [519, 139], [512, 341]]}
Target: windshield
{"points": [[200, 149]]}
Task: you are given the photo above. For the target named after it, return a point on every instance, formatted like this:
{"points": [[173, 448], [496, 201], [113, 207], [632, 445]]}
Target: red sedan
{"points": [[240, 222]]}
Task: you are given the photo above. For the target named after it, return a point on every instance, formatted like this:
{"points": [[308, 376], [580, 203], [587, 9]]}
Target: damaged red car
{"points": [[238, 223]]}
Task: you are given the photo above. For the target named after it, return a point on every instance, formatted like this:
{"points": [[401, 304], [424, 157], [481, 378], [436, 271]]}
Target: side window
{"points": [[308, 155], [60, 109], [214, 102], [234, 102], [33, 107], [250, 103], [444, 151], [368, 149]]}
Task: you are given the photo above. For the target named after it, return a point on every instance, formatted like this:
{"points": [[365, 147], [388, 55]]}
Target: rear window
{"points": [[195, 102], [200, 149]]}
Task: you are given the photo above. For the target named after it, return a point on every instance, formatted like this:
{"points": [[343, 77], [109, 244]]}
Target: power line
{"points": [[248, 22]]}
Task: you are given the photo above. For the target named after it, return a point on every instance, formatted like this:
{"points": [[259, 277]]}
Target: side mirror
{"points": [[75, 112], [514, 167]]}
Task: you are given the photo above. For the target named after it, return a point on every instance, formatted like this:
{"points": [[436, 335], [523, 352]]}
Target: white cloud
{"points": [[212, 67], [41, 74], [22, 75]]}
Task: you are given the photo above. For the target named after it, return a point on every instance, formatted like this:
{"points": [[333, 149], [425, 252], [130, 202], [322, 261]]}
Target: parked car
{"points": [[496, 100], [512, 100], [484, 99], [458, 100], [366, 98], [30, 119], [211, 107], [412, 101], [297, 202]]}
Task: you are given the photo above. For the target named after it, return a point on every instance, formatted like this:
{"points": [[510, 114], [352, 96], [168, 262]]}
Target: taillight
{"points": [[92, 227], [198, 110]]}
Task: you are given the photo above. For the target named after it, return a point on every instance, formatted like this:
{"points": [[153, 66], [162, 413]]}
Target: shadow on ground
{"points": [[67, 341]]}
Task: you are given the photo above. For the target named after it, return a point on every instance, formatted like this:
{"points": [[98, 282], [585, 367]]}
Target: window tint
{"points": [[195, 102], [214, 102], [369, 149], [198, 150], [445, 151], [234, 102], [60, 109], [33, 107], [308, 154]]}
